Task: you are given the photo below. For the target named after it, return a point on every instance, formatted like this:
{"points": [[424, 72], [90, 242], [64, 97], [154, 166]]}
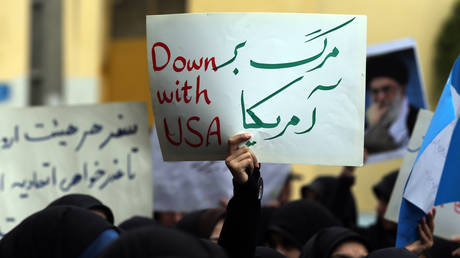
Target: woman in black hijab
{"points": [[265, 252], [202, 223], [86, 202], [294, 223], [136, 222], [335, 194], [160, 241], [335, 242], [56, 232], [392, 252]]}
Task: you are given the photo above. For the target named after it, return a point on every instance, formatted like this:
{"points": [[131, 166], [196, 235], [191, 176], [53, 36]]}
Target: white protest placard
{"points": [[296, 82], [194, 185], [420, 128], [446, 220], [47, 152], [448, 215]]}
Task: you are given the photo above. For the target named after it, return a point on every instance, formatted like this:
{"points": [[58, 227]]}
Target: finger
{"points": [[238, 166], [254, 158], [236, 140], [427, 231], [251, 165], [246, 163], [236, 155], [431, 221], [423, 236], [434, 212], [243, 156], [238, 152], [456, 252]]}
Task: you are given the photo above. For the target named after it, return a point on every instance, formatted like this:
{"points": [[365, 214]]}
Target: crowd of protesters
{"points": [[320, 225]]}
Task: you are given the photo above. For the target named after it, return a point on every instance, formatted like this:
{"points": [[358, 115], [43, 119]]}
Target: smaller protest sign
{"points": [[447, 216], [48, 152]]}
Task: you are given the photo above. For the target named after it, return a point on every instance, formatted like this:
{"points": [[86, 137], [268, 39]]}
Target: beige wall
{"points": [[251, 5], [14, 50], [14, 39], [387, 20], [127, 73], [85, 38]]}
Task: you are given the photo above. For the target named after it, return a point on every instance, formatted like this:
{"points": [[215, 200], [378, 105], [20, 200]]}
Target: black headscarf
{"points": [[55, 232], [392, 252], [264, 222], [84, 201], [323, 243], [201, 223], [265, 252], [160, 241], [297, 221], [384, 187], [137, 222], [322, 187], [335, 194], [190, 223]]}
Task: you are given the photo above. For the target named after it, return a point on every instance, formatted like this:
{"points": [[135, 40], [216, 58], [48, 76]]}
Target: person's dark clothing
{"points": [[239, 232], [335, 194], [442, 248], [84, 201], [264, 222], [201, 223], [384, 187], [377, 236], [298, 221], [411, 118], [137, 222], [56, 232], [161, 241], [392, 252], [237, 239], [190, 223], [265, 252], [323, 243]]}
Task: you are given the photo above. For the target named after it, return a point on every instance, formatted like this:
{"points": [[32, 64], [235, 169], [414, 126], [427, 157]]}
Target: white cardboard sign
{"points": [[448, 215], [47, 152], [296, 82], [194, 185]]}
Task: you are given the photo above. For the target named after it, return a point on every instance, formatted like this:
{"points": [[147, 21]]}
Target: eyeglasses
{"points": [[384, 89]]}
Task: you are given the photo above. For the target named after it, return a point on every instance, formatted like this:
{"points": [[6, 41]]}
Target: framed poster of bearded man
{"points": [[394, 95]]}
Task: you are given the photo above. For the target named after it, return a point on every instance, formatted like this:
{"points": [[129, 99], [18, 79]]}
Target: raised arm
{"points": [[239, 232]]}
